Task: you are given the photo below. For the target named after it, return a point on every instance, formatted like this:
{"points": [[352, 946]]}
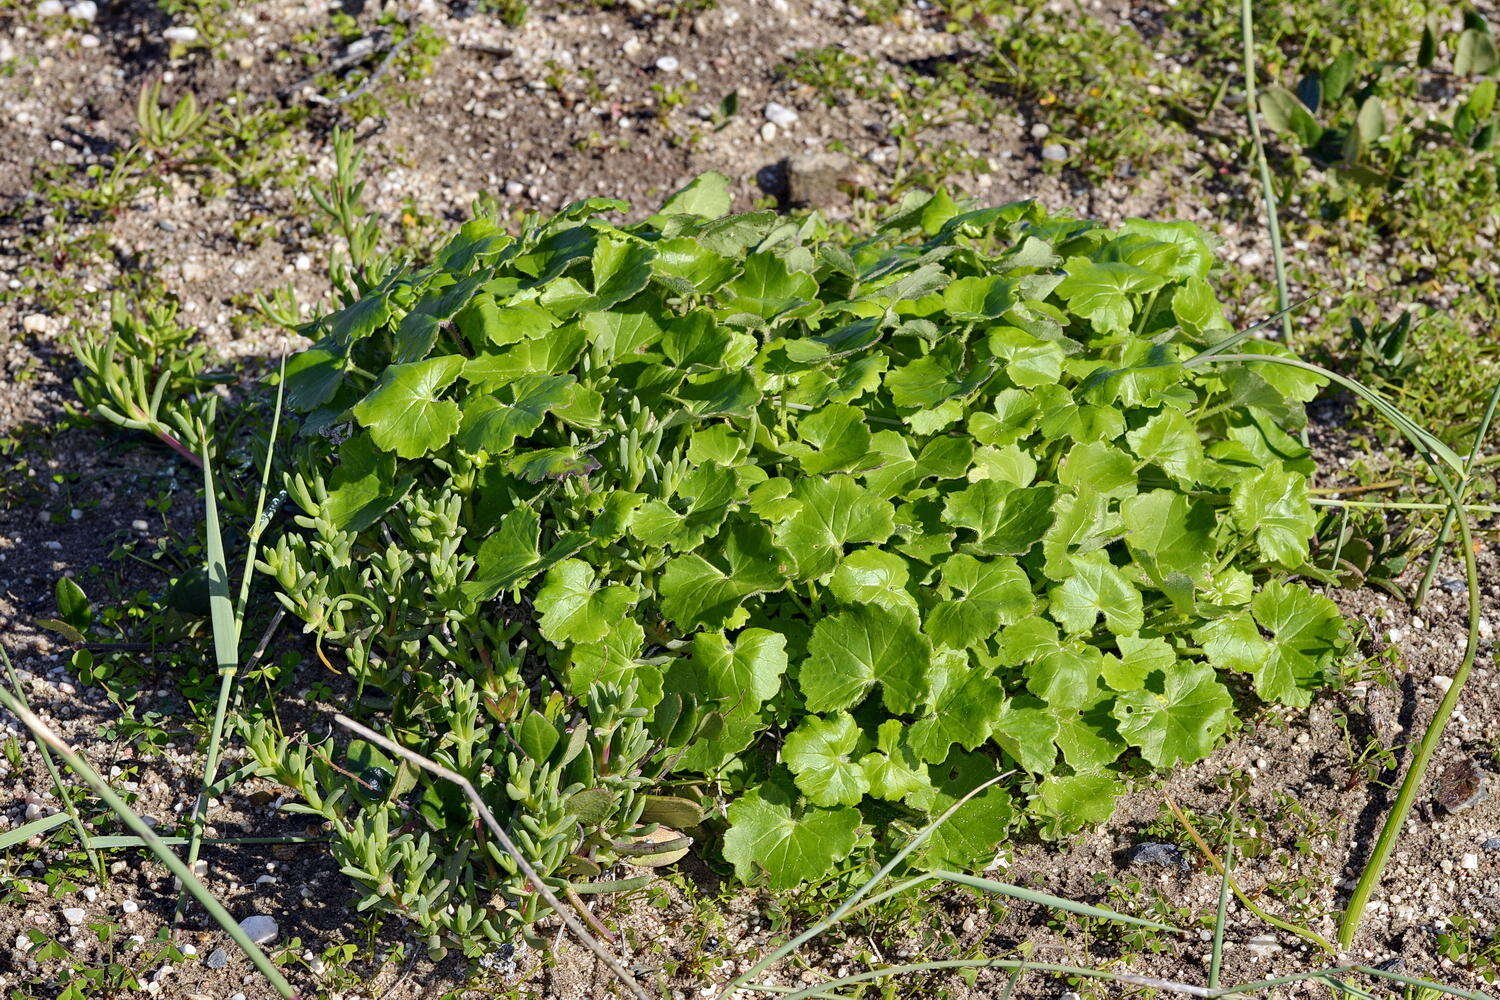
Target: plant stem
{"points": [[226, 653], [44, 735], [1221, 917], [1146, 982], [1412, 783], [1252, 112], [1447, 530], [62, 790], [1400, 505], [1306, 934]]}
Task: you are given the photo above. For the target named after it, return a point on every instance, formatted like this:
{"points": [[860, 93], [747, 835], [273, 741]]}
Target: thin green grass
{"points": [[1221, 915], [1446, 532], [63, 794], [227, 618], [1263, 166], [37, 827], [190, 883]]}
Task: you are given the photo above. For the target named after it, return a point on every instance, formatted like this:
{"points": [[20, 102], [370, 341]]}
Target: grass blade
{"points": [[43, 734], [1263, 166], [226, 652], [1446, 531], [1221, 916], [21, 834], [1128, 978], [1306, 934], [63, 795], [117, 842], [1048, 900], [1396, 977], [1385, 844]]}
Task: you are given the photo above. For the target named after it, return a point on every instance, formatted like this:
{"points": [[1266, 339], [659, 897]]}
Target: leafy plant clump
{"points": [[626, 523]]}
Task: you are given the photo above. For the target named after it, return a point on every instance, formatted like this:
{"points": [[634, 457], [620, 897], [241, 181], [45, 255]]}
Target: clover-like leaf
{"points": [[1075, 801], [766, 289], [834, 512], [1306, 638], [1177, 716], [1170, 441], [963, 706], [872, 576], [1007, 519], [968, 838], [1169, 534], [1272, 505], [1027, 730], [492, 423], [575, 608], [696, 593], [767, 841], [852, 651], [819, 754], [834, 439], [892, 771], [750, 670], [403, 411], [1101, 292], [1096, 588], [985, 596]]}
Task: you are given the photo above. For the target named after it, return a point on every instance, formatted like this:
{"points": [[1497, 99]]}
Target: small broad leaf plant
{"points": [[807, 535]]}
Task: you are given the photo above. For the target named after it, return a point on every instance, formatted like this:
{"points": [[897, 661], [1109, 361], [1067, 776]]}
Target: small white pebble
{"points": [[1471, 862], [780, 115], [668, 64], [182, 34]]}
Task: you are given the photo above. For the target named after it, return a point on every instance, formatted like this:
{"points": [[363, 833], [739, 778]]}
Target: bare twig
{"points": [[375, 74], [351, 57], [564, 912], [265, 640]]}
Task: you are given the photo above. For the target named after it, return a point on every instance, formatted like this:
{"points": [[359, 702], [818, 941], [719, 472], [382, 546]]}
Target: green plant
{"points": [[1342, 116], [1464, 942], [903, 514]]}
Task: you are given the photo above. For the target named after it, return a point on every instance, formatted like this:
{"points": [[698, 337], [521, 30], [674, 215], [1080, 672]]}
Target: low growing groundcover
{"points": [[735, 530]]}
